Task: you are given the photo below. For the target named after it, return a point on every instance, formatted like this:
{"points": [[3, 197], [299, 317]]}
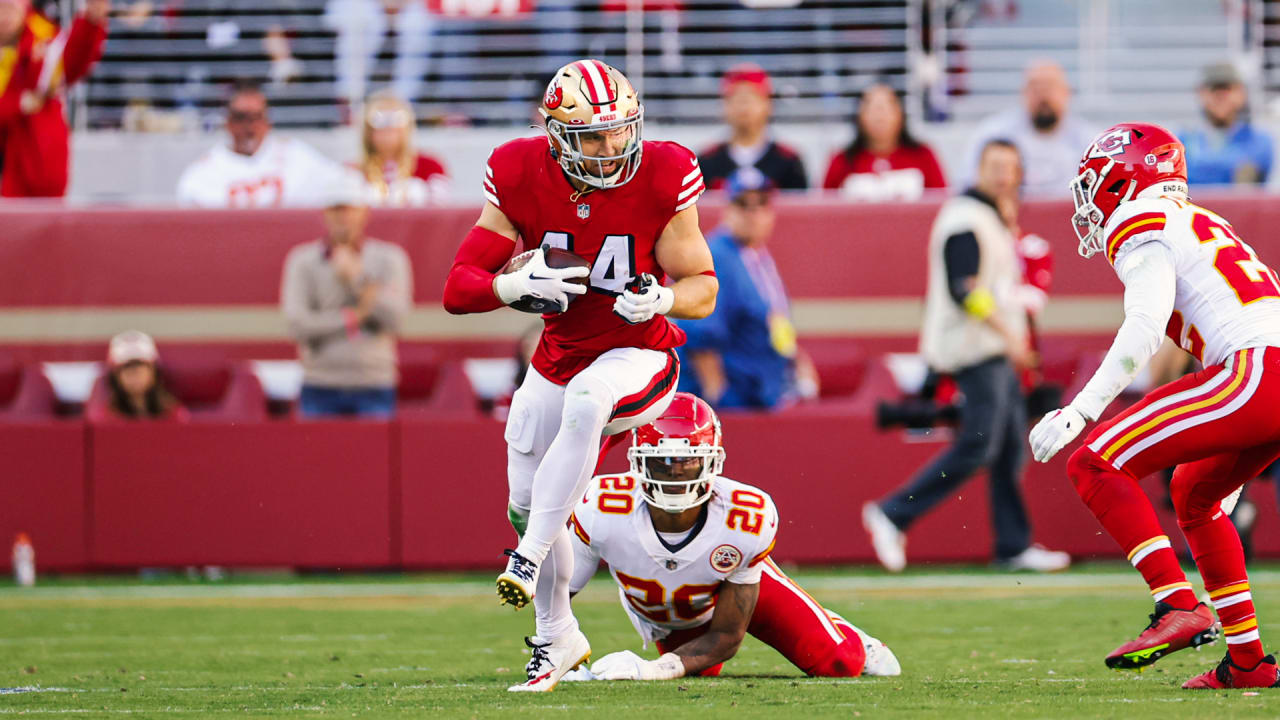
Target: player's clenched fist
{"points": [[626, 665], [645, 298], [1054, 431], [533, 277]]}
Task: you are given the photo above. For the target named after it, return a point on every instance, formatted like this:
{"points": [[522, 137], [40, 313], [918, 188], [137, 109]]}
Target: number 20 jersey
{"points": [[1227, 299], [665, 588], [615, 229]]}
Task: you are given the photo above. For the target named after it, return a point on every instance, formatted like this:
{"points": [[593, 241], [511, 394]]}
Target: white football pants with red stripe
{"points": [[553, 439]]}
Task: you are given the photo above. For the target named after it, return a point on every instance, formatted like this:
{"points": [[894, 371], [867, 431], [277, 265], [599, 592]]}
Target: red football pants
{"points": [[1219, 426], [787, 619]]}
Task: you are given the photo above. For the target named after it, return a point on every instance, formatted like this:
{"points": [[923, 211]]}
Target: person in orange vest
{"points": [[38, 61]]}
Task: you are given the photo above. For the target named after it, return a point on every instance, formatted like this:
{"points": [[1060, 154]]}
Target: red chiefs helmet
{"points": [[1121, 164], [661, 453]]}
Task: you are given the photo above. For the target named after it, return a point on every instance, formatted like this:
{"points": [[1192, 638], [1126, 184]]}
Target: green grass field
{"points": [[973, 643]]}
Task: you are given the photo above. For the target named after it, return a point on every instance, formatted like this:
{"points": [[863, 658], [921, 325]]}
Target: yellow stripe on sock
{"points": [[1171, 586], [1238, 628], [1145, 543], [1229, 590]]}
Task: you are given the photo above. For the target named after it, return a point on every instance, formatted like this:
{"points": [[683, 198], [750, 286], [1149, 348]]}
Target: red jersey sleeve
{"points": [[678, 177], [933, 175], [504, 173], [837, 171], [429, 168]]}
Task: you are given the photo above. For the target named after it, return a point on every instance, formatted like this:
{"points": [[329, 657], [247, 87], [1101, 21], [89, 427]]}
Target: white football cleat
{"points": [[1039, 559], [517, 582], [887, 540], [552, 660], [881, 662]]}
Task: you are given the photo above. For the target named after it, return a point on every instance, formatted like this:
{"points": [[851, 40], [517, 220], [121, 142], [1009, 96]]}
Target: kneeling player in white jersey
{"points": [[1188, 275], [690, 553]]}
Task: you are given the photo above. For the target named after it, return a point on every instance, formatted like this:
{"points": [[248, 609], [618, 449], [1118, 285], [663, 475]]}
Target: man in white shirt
{"points": [[1047, 135], [255, 169]]}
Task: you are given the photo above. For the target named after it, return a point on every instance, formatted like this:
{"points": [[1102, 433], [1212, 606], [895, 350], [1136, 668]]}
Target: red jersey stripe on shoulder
{"points": [[759, 558], [1140, 223]]}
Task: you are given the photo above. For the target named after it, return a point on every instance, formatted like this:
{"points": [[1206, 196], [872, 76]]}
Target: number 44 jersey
{"points": [[669, 585], [1226, 299], [615, 229]]}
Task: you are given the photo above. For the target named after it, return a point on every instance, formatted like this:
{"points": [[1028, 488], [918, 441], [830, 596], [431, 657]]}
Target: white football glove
{"points": [[1054, 431], [652, 298], [536, 279], [626, 665]]}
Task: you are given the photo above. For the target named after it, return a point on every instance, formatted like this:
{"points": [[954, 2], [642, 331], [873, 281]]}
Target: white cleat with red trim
{"points": [[551, 660], [881, 662]]}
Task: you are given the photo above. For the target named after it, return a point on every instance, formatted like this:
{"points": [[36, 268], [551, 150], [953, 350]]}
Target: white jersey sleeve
{"points": [[586, 559], [754, 515]]}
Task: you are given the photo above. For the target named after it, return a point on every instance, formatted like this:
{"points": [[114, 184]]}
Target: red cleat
{"points": [[1230, 675], [1170, 630]]}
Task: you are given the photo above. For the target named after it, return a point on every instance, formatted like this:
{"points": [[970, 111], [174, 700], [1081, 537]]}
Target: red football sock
{"points": [[1216, 547], [1126, 514]]}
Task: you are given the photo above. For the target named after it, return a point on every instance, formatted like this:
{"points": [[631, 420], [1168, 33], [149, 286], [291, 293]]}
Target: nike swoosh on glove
{"points": [[1054, 431], [537, 279], [648, 299]]}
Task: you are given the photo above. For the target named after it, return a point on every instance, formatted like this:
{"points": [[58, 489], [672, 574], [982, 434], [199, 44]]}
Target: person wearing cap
{"points": [[744, 355], [37, 63], [1047, 134], [133, 385], [975, 330], [398, 174], [254, 168], [344, 298], [747, 91], [1227, 149]]}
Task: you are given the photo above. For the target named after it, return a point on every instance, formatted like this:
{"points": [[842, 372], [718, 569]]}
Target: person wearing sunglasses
{"points": [[398, 174], [255, 168]]}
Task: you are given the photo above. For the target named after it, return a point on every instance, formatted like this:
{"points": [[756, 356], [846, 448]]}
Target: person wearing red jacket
{"points": [[37, 61]]}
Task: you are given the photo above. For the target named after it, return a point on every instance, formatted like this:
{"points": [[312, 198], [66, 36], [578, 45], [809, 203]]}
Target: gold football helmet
{"points": [[590, 107]]}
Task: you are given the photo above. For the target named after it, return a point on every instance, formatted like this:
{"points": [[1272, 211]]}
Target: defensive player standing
{"points": [[603, 364], [1185, 273], [689, 550]]}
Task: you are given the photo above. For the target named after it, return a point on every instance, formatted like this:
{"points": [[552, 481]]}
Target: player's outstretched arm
{"points": [[1150, 285], [469, 287], [734, 607], [683, 254]]}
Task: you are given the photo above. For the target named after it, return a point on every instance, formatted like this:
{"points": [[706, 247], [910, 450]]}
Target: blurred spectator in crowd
{"points": [[344, 298], [361, 26], [748, 92], [36, 64], [884, 162], [1228, 149], [975, 329], [398, 175], [1046, 134], [255, 169], [744, 355], [134, 387]]}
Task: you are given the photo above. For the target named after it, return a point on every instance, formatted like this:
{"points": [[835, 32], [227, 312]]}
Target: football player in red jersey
{"points": [[1186, 274], [604, 363]]}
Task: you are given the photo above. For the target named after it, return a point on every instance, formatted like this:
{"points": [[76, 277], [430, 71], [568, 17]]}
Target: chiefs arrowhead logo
{"points": [[1111, 143], [554, 96]]}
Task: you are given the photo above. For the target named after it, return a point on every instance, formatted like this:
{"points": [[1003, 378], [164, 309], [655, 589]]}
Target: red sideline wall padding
{"points": [[430, 493]]}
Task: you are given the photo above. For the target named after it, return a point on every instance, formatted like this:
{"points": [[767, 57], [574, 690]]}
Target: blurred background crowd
{"points": [[830, 133]]}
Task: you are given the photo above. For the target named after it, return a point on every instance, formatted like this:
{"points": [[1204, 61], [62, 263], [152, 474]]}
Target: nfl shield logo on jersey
{"points": [[725, 558], [584, 211]]}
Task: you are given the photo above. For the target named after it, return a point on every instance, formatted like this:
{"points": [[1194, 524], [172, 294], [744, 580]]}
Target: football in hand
{"points": [[555, 258]]}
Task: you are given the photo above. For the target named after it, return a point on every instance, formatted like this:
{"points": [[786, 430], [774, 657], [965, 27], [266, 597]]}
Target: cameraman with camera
{"points": [[975, 329]]}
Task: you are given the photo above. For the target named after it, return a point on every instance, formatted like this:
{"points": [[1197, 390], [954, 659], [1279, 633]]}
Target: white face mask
{"points": [[676, 495]]}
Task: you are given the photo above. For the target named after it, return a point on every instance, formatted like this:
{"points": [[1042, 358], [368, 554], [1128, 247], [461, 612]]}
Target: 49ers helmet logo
{"points": [[555, 95], [1111, 144], [726, 558]]}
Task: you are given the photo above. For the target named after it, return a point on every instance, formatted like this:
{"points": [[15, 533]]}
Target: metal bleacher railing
{"points": [[486, 70]]}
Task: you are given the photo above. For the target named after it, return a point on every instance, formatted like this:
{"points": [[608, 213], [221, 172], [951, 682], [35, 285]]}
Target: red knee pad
{"points": [[1085, 468], [847, 660]]}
